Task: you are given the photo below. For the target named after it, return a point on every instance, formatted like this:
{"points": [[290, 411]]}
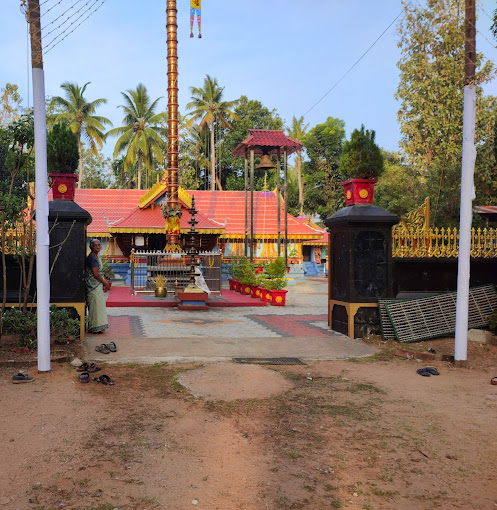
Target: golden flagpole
{"points": [[172, 210]]}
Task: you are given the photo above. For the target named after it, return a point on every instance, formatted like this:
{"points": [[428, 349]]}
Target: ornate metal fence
{"points": [[441, 243], [174, 267]]}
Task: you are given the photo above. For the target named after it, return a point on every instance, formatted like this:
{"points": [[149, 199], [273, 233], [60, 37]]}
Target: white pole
{"points": [[466, 217], [42, 236]]}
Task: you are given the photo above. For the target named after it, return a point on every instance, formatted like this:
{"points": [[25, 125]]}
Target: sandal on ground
{"points": [[82, 368], [432, 370], [84, 377], [493, 381], [93, 367], [102, 348], [22, 378], [423, 371], [104, 379], [112, 347]]}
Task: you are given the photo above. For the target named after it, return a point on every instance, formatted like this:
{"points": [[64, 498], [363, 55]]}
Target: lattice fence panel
{"points": [[435, 316]]}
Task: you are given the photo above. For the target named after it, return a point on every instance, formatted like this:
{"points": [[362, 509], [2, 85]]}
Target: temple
{"points": [[126, 219]]}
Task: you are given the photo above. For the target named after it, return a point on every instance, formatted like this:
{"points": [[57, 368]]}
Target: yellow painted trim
{"points": [[185, 197], [351, 309], [315, 243], [152, 193], [271, 236], [132, 230], [99, 234]]}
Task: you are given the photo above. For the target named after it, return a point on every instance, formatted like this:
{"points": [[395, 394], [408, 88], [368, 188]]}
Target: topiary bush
{"points": [[62, 150], [361, 158]]}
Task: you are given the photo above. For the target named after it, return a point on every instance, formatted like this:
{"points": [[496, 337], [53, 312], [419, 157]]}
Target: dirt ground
{"points": [[357, 434]]}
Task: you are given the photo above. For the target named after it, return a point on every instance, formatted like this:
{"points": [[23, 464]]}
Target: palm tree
{"points": [[297, 132], [78, 114], [207, 105], [140, 136]]}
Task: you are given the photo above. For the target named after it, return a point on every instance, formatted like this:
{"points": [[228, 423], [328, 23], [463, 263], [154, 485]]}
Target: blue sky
{"points": [[286, 54]]}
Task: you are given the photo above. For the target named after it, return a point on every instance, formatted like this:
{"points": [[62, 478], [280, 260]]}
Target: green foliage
{"points": [[16, 156], [141, 135], [10, 104], [107, 270], [210, 110], [62, 150], [98, 170], [275, 268], [23, 325], [275, 284], [323, 194], [251, 114], [246, 272], [395, 191], [361, 158], [62, 326]]}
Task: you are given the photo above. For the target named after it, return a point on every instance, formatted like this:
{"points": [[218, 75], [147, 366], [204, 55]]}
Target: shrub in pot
{"points": [[62, 161], [247, 277], [361, 163], [275, 287]]}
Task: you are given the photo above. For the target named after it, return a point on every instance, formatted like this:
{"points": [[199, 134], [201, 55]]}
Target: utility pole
{"points": [[467, 185], [42, 236]]}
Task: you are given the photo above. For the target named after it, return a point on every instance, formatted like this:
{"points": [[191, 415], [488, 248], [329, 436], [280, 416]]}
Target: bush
{"points": [[62, 150], [22, 325], [246, 272], [361, 158], [275, 269], [275, 284]]}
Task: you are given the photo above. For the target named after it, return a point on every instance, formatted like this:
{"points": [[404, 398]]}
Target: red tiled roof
{"points": [[106, 206], [118, 209], [485, 209], [151, 218], [269, 139], [229, 206]]}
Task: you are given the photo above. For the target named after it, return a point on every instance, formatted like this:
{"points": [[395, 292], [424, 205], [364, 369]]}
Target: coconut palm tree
{"points": [[140, 136], [207, 107], [297, 132], [79, 114]]}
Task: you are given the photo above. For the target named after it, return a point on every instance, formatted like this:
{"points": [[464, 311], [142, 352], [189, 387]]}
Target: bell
{"points": [[266, 163]]}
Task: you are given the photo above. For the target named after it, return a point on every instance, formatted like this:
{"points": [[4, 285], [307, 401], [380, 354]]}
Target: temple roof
{"points": [[219, 212], [229, 207], [267, 141]]}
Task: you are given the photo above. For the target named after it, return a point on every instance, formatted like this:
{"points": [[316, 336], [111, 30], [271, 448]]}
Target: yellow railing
{"points": [[441, 243]]}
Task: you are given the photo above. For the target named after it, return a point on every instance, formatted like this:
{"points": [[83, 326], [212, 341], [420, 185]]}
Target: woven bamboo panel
{"points": [[435, 316]]}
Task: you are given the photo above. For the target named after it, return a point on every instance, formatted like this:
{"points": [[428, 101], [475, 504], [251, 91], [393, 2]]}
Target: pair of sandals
{"points": [[427, 371], [104, 379], [106, 348], [85, 367]]}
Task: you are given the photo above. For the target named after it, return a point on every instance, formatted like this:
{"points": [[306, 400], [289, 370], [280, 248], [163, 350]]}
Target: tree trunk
{"points": [[213, 161], [299, 177], [139, 170], [80, 161]]}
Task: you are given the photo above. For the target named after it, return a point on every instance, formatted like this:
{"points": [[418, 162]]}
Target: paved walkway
{"points": [[299, 329]]}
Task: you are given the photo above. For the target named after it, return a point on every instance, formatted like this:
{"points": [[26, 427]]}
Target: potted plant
{"points": [[233, 275], [276, 287], [361, 163], [62, 161], [275, 282], [246, 277]]}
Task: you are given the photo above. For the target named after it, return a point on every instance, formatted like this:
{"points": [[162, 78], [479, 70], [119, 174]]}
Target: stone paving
{"points": [[298, 329]]}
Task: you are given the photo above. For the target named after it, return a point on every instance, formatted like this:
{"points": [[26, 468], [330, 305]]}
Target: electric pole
{"points": [[42, 235], [467, 185]]}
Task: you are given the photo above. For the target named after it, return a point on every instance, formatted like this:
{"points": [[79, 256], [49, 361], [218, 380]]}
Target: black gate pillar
{"points": [[360, 267], [67, 223]]}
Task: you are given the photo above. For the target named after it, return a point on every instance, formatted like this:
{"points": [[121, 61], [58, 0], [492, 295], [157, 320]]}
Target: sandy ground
{"points": [[357, 434]]}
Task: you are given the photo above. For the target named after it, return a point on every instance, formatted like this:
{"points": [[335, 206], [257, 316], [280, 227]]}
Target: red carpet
{"points": [[122, 297]]}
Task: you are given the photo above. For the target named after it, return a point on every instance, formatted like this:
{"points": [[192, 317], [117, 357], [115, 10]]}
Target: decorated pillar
{"points": [[172, 210]]}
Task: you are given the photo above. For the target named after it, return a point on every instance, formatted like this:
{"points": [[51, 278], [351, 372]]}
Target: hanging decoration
{"points": [[195, 6]]}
